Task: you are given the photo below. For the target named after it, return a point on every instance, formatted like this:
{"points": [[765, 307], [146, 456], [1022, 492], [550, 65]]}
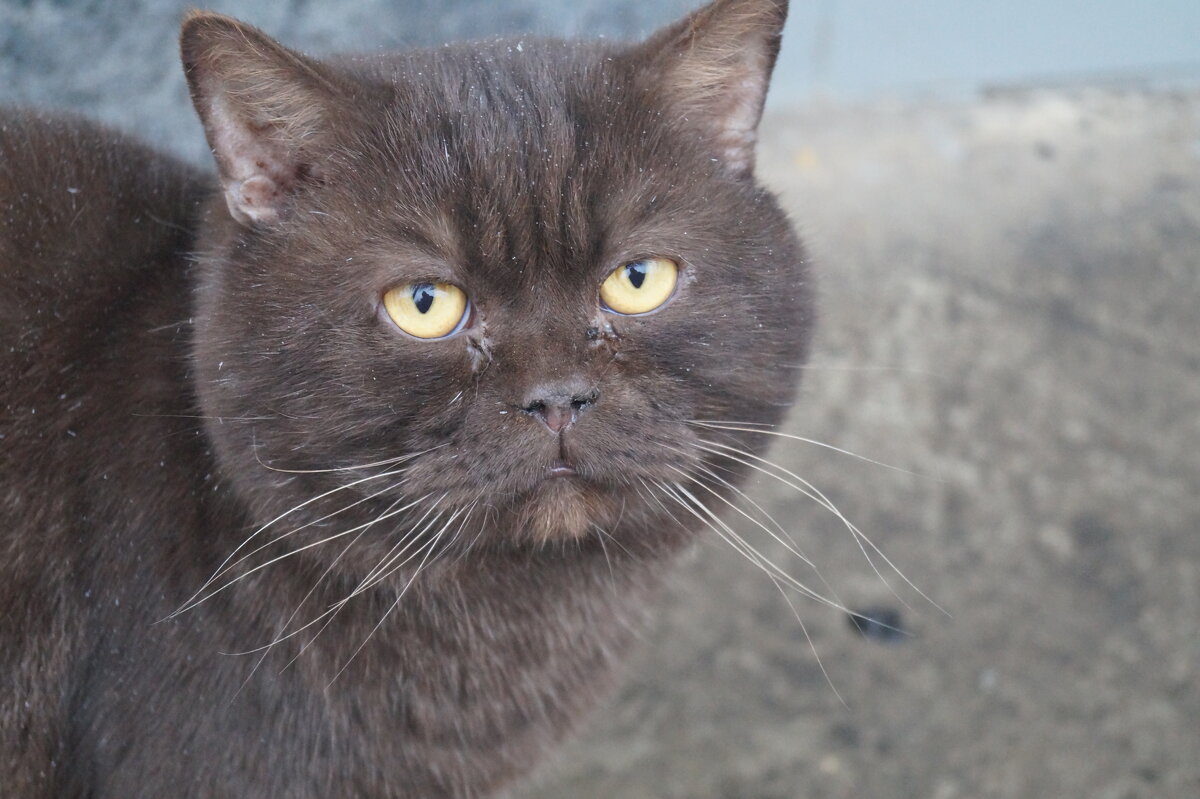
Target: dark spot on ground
{"points": [[1148, 774], [881, 624], [1091, 532], [846, 735]]}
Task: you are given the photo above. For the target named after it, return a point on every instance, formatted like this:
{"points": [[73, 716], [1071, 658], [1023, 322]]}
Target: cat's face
{"points": [[523, 271]]}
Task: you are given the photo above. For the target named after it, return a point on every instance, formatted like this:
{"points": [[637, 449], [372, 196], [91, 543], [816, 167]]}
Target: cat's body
{"points": [[104, 496], [188, 376]]}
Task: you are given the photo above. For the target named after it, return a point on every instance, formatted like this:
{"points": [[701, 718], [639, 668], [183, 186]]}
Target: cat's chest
{"points": [[456, 690]]}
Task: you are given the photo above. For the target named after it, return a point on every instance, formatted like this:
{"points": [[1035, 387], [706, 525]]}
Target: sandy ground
{"points": [[1010, 311], [1009, 301]]}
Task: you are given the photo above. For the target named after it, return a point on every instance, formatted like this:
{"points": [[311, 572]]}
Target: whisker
{"points": [[328, 570], [601, 534], [342, 603], [464, 551], [397, 561], [437, 536], [462, 525], [824, 367], [809, 490], [799, 553], [751, 556], [739, 543], [812, 645], [190, 601], [279, 639], [786, 540], [389, 461], [429, 548], [336, 607], [782, 537], [305, 526], [291, 553], [812, 493], [740, 427], [650, 490], [403, 544], [788, 544]]}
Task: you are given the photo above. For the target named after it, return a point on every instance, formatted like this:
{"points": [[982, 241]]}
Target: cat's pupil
{"points": [[637, 274], [423, 297]]}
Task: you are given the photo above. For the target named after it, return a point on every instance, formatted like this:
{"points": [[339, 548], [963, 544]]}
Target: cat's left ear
{"points": [[266, 111], [713, 69]]}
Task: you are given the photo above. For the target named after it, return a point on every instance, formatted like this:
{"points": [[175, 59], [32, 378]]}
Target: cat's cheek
{"points": [[402, 373]]}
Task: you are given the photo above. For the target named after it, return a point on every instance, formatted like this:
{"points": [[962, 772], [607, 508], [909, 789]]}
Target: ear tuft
{"points": [[714, 68], [264, 108]]}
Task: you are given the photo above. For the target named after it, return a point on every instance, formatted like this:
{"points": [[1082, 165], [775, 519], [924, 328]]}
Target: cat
{"points": [[405, 406]]}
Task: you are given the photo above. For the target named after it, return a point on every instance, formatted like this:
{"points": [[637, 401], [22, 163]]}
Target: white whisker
{"points": [[740, 427], [305, 526], [429, 549], [809, 490], [328, 570], [336, 607], [786, 540], [403, 544], [293, 552], [760, 562], [739, 543], [388, 462], [342, 603], [219, 570], [812, 645]]}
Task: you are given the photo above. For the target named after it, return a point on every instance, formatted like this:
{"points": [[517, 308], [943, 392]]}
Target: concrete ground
{"points": [[1011, 310]]}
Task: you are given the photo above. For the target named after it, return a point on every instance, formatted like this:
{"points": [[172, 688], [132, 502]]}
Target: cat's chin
{"points": [[562, 508]]}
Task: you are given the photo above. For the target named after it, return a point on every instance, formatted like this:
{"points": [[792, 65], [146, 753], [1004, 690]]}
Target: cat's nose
{"points": [[558, 407]]}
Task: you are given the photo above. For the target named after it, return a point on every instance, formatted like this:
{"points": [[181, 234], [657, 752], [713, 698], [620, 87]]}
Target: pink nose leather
{"points": [[559, 409], [556, 417]]}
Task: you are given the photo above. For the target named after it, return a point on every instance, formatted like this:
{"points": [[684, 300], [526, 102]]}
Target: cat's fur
{"points": [[185, 360]]}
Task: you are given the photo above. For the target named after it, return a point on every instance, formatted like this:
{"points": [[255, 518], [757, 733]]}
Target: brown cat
{"points": [[403, 404]]}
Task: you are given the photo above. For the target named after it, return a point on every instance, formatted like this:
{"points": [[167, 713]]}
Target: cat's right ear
{"points": [[266, 110]]}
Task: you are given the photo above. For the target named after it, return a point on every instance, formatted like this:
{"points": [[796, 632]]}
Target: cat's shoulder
{"points": [[83, 209], [71, 186]]}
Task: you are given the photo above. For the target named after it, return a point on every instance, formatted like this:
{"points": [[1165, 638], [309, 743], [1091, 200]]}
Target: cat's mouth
{"points": [[560, 469]]}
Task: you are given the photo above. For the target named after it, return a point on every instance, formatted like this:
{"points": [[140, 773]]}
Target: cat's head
{"points": [[495, 283]]}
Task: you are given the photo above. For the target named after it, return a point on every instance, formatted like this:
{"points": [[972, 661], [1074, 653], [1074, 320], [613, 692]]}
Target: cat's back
{"points": [[84, 211], [94, 234], [94, 241]]}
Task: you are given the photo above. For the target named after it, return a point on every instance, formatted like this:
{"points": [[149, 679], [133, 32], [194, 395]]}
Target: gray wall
{"points": [[859, 49], [117, 60]]}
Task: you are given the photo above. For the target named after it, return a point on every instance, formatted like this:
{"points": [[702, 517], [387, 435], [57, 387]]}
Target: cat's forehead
{"points": [[512, 111], [531, 161], [515, 75]]}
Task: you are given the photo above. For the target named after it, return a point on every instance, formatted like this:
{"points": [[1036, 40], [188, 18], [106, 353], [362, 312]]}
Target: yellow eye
{"points": [[427, 310], [641, 286]]}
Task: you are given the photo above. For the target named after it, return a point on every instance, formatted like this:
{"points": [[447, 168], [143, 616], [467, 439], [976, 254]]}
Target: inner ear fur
{"points": [[713, 68], [265, 109]]}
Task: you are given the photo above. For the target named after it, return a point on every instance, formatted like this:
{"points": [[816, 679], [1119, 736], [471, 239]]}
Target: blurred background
{"points": [[1003, 201]]}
